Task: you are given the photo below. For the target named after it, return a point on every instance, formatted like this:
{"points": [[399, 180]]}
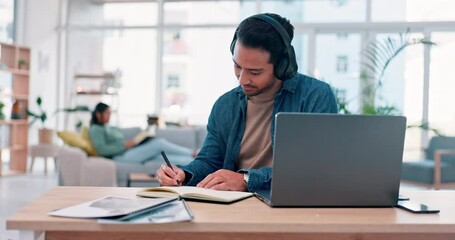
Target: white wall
{"points": [[37, 28]]}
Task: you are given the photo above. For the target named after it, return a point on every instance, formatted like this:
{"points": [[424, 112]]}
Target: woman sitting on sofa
{"points": [[110, 142]]}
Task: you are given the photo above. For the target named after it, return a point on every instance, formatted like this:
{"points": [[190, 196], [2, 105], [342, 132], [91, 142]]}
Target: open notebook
{"points": [[142, 137], [195, 193]]}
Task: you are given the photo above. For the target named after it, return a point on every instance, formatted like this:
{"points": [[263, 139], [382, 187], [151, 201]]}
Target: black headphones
{"points": [[285, 67]]}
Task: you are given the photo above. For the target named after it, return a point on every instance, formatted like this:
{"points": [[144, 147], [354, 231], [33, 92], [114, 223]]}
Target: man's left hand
{"points": [[224, 180]]}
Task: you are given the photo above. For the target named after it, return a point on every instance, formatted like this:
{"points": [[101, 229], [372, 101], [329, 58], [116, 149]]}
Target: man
{"points": [[237, 152]]}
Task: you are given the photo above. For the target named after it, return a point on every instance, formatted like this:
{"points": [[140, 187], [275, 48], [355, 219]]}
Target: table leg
{"points": [[45, 165], [55, 164], [31, 164], [31, 235]]}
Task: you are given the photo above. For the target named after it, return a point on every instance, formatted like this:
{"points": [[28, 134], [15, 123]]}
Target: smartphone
{"points": [[416, 207], [402, 198]]}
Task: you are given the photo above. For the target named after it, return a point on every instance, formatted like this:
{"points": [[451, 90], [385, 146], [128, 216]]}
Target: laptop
{"points": [[332, 160]]}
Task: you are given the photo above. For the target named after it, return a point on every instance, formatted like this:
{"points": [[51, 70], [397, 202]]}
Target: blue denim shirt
{"points": [[226, 126]]}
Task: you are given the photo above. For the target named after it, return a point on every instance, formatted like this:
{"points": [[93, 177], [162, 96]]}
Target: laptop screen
{"points": [[337, 160]]}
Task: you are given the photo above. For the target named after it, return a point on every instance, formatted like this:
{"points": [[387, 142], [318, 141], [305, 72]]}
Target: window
{"points": [[341, 36], [339, 69], [206, 12], [342, 64], [412, 10], [441, 110], [205, 71], [173, 80], [181, 67], [133, 54], [7, 20]]}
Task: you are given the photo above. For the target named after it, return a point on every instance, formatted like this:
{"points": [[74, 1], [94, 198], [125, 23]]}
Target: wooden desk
{"points": [[247, 219]]}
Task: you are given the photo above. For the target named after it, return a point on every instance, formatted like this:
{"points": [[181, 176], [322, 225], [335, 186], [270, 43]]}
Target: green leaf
{"points": [[376, 58], [43, 117], [425, 126], [38, 101], [31, 114]]}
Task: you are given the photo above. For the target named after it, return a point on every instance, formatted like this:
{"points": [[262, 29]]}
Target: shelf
{"points": [[16, 71], [95, 76], [14, 148], [20, 97], [87, 112], [95, 93], [14, 122], [24, 72], [11, 45], [12, 173], [15, 96], [89, 88], [17, 148], [18, 86]]}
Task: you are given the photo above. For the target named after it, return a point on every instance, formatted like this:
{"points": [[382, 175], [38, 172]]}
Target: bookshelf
{"points": [[14, 86], [89, 89]]}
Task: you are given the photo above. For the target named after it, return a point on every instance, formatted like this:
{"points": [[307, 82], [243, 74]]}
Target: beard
{"points": [[251, 90]]}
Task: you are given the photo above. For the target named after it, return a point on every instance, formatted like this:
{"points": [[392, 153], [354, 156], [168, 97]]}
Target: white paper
{"points": [[109, 206]]}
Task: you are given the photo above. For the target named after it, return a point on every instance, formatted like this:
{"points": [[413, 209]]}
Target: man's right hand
{"points": [[167, 177]]}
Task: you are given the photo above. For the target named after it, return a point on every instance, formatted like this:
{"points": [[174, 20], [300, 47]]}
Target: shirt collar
{"points": [[291, 83]]}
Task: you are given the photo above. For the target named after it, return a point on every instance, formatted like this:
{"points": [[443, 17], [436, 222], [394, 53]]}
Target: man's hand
{"points": [[224, 180], [167, 177]]}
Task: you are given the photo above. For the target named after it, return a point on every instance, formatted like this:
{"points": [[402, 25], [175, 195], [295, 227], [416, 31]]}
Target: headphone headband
{"points": [[285, 67], [276, 25]]}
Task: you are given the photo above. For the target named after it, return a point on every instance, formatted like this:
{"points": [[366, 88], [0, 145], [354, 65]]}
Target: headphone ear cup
{"points": [[280, 68], [292, 67]]}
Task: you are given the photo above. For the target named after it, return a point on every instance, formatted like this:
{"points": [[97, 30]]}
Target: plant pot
{"points": [[45, 136], [22, 67]]}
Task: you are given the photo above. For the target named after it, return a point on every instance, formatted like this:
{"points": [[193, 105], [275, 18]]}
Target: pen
{"points": [[168, 163], [166, 160]]}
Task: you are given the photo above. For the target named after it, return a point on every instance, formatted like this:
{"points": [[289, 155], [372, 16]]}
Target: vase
{"points": [[45, 136]]}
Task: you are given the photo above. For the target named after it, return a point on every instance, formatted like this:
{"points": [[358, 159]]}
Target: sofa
{"points": [[437, 170], [77, 168]]}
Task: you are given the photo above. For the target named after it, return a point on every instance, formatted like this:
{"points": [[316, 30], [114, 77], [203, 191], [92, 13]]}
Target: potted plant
{"points": [[377, 57], [22, 64], [44, 134]]}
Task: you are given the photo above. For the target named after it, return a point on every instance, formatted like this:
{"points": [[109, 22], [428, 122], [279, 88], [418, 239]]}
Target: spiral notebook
{"points": [[111, 206], [175, 211]]}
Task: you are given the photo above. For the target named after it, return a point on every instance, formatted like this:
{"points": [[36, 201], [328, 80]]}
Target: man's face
{"points": [[253, 70]]}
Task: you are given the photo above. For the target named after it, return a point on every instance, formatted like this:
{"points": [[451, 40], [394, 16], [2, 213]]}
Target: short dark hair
{"points": [[255, 33], [99, 108]]}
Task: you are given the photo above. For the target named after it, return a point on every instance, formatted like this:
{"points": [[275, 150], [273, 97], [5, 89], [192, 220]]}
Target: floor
{"points": [[17, 191]]}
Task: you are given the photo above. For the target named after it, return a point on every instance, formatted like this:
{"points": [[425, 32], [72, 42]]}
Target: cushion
{"points": [[75, 139], [91, 150], [85, 135]]}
